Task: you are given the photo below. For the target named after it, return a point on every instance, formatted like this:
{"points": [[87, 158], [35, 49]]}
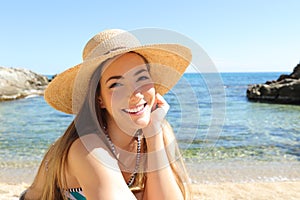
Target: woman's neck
{"points": [[120, 138]]}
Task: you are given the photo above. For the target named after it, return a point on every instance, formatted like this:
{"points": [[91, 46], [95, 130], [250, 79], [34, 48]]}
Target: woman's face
{"points": [[127, 91]]}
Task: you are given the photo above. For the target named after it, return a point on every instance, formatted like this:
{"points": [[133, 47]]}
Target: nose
{"points": [[136, 95]]}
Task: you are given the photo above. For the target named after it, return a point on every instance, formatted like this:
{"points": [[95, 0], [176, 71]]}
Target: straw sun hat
{"points": [[167, 62]]}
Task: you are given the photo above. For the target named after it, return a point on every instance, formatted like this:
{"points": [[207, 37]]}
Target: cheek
{"points": [[117, 99], [111, 104], [149, 92], [117, 96], [106, 100]]}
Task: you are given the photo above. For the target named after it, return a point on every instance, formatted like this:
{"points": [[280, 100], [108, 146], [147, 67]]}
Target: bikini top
{"points": [[71, 194], [75, 194]]}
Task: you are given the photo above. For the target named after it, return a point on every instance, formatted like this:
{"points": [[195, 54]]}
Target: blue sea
{"points": [[222, 136]]}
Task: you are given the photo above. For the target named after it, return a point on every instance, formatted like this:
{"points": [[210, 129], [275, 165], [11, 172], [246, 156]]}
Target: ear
{"points": [[100, 101]]}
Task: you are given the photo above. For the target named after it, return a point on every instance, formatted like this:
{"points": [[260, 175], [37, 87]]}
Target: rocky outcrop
{"points": [[285, 90], [18, 83]]}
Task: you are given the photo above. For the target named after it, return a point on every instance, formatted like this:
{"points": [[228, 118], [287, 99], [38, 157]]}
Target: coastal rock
{"points": [[18, 83], [285, 90]]}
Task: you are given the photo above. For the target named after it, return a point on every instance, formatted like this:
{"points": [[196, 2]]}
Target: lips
{"points": [[136, 109]]}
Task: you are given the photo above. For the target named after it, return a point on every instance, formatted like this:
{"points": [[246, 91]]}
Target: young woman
{"points": [[119, 146]]}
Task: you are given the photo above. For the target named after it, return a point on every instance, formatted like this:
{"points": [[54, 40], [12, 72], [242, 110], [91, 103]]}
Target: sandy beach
{"points": [[210, 180], [226, 191]]}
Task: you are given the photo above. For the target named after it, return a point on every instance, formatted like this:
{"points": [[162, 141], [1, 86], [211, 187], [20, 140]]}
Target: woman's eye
{"points": [[143, 78], [115, 85]]}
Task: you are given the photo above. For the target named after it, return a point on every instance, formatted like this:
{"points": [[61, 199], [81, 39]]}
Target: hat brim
{"points": [[167, 64]]}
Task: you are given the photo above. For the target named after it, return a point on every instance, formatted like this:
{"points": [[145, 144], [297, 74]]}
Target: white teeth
{"points": [[135, 110]]}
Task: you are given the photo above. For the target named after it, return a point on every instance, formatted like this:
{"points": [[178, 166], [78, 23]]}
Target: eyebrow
{"points": [[121, 77], [140, 71], [114, 77]]}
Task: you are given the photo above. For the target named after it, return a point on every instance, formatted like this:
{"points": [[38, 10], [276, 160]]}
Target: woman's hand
{"points": [[161, 181], [159, 111]]}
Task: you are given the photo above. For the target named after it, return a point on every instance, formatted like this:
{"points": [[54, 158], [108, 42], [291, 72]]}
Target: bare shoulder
{"points": [[85, 144], [89, 151], [95, 168]]}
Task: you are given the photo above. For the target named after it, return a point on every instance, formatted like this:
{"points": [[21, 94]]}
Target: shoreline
{"points": [[204, 172]]}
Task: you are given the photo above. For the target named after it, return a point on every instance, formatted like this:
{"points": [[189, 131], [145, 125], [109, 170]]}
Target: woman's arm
{"points": [[161, 181], [96, 170]]}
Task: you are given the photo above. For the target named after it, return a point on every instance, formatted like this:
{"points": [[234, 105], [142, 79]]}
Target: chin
{"points": [[142, 123]]}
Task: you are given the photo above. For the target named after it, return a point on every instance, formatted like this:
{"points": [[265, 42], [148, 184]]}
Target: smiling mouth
{"points": [[135, 110]]}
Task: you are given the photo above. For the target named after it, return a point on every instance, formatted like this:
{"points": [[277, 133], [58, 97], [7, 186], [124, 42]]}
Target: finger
{"points": [[161, 111], [162, 103], [154, 106]]}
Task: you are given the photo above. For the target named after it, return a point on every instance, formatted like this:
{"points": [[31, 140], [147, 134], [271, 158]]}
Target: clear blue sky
{"points": [[238, 35]]}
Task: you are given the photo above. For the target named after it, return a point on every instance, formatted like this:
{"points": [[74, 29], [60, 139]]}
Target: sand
{"points": [[11, 191], [226, 191], [211, 181], [255, 191]]}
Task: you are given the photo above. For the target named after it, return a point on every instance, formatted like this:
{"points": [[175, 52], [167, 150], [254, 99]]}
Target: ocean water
{"points": [[216, 127]]}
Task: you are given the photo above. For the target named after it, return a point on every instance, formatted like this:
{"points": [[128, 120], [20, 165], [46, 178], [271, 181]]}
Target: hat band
{"points": [[115, 49], [116, 42]]}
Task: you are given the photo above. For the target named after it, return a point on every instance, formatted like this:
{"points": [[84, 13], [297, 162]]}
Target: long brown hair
{"points": [[53, 165]]}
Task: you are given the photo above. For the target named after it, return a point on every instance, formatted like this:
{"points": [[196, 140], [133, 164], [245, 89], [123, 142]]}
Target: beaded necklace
{"points": [[138, 155]]}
